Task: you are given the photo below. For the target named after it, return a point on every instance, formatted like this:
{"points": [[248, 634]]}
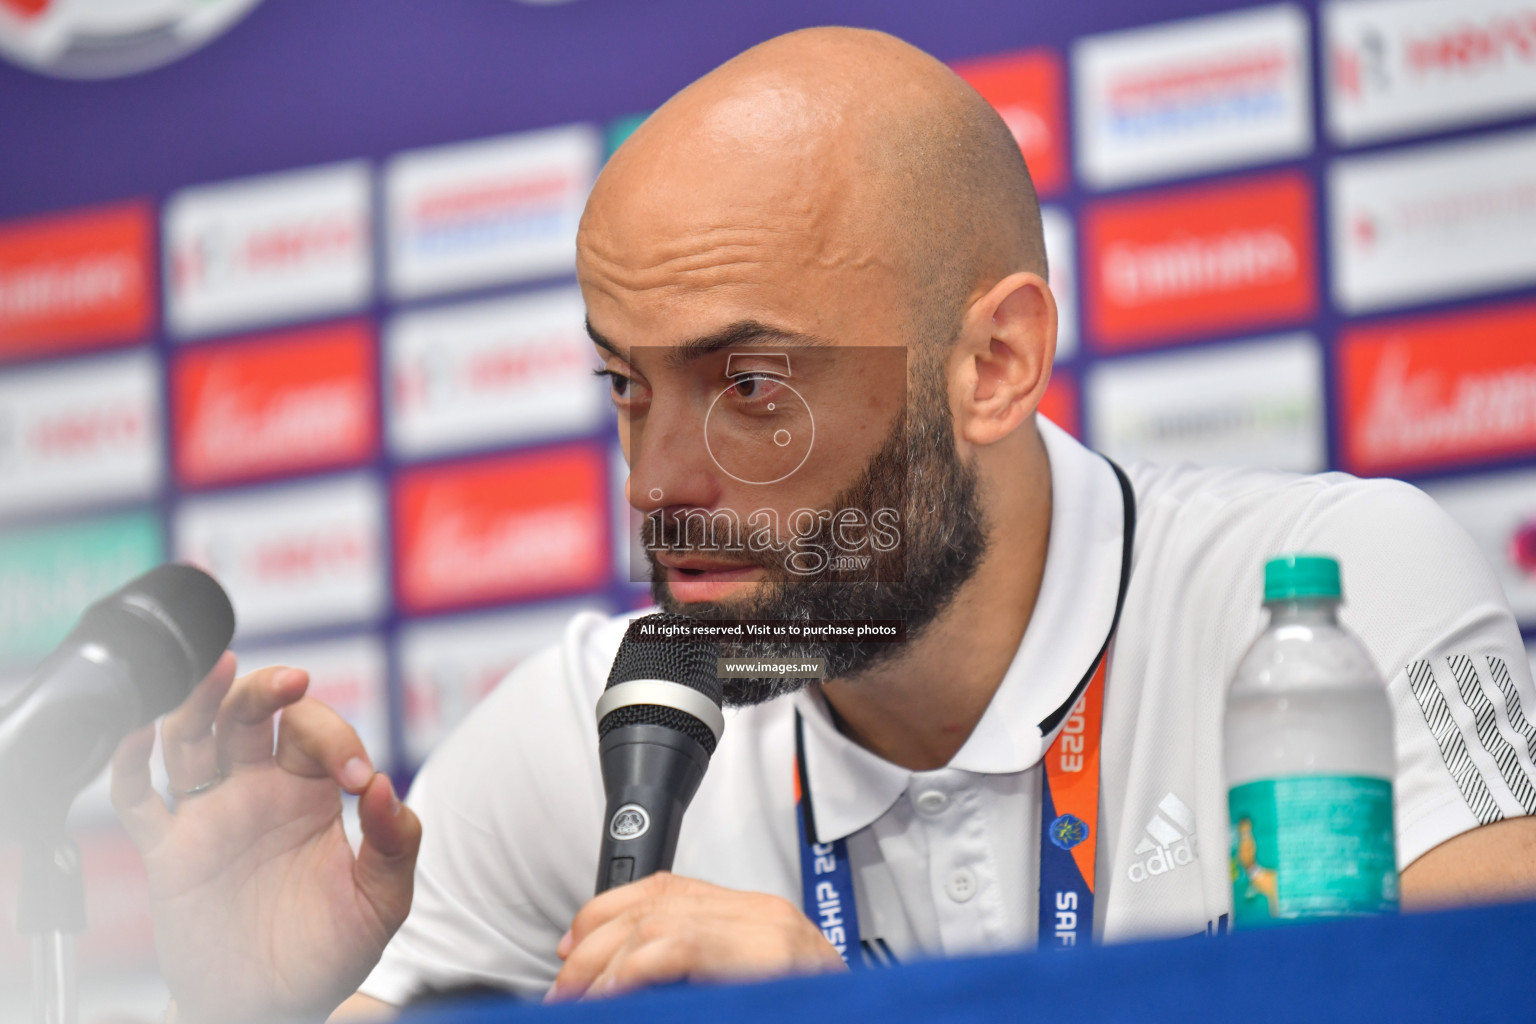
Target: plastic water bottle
{"points": [[1309, 760]]}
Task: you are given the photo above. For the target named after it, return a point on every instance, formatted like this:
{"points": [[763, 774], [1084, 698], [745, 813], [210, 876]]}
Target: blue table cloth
{"points": [[1458, 966]]}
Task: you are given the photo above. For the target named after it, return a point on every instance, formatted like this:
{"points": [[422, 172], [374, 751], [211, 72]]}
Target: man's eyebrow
{"points": [[602, 342], [743, 332]]}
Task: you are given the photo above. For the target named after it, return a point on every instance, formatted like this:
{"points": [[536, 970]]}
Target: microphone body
{"points": [[62, 731], [650, 774], [658, 723], [134, 655]]}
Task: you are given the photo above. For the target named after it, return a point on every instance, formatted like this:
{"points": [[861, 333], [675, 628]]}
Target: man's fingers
{"points": [[245, 721], [639, 912], [672, 957], [591, 956], [603, 908], [316, 742], [186, 733], [143, 813], [664, 928], [385, 871]]}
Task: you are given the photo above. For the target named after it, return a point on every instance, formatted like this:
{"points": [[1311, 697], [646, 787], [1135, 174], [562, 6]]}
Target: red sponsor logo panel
{"points": [[1026, 89], [1060, 404], [1195, 261], [278, 403], [76, 280], [1435, 391], [500, 528]]}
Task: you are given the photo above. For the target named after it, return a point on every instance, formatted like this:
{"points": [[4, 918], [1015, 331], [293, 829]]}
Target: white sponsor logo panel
{"points": [[80, 432], [1254, 403], [350, 674], [501, 371], [447, 666], [292, 558], [489, 211], [1433, 222], [268, 249], [1396, 67], [1061, 256], [1186, 96], [1499, 511]]}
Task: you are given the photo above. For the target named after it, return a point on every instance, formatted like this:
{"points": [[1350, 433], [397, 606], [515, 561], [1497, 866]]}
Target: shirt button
{"points": [[961, 885], [932, 802]]}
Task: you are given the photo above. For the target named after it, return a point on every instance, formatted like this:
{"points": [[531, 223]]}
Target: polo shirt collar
{"points": [[853, 787]]}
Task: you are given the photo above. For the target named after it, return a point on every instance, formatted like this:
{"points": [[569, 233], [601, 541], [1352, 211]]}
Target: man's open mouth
{"points": [[692, 574], [695, 567]]}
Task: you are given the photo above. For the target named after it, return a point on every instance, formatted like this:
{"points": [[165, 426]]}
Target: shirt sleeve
{"points": [[1420, 595], [510, 806]]}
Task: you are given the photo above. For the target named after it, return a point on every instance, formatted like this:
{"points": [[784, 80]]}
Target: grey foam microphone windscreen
{"points": [[169, 625]]}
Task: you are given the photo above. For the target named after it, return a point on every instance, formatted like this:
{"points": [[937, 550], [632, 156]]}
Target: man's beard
{"points": [[943, 540]]}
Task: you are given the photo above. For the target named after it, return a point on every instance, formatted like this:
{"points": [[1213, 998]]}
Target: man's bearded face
{"points": [[943, 539]]}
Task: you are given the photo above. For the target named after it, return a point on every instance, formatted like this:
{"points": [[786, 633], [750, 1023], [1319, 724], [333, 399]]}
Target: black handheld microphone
{"points": [[658, 722], [134, 655]]}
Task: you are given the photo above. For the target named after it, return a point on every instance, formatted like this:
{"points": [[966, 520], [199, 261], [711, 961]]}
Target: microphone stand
{"points": [[51, 909]]}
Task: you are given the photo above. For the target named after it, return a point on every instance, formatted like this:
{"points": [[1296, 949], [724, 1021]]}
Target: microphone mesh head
{"points": [[691, 663]]}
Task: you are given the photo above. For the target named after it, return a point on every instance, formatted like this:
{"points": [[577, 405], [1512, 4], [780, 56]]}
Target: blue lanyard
{"points": [[826, 877], [1069, 813]]}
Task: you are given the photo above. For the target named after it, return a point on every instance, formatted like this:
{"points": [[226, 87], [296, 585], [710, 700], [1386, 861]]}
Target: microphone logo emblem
{"points": [[629, 822]]}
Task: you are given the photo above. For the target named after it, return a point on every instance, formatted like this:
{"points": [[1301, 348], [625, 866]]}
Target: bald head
{"points": [[838, 154]]}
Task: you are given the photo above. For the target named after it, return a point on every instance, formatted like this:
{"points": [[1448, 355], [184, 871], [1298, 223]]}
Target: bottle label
{"points": [[1311, 846]]}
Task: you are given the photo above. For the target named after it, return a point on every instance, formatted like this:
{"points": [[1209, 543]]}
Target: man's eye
{"points": [[617, 382], [754, 385]]}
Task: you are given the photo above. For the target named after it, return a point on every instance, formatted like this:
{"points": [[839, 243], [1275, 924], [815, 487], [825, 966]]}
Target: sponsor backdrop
{"points": [[286, 290]]}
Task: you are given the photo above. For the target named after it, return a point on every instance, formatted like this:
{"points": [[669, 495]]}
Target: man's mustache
{"points": [[696, 532], [699, 532]]}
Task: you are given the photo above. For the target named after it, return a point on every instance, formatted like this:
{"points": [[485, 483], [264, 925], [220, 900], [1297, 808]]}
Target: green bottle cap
{"points": [[1297, 577]]}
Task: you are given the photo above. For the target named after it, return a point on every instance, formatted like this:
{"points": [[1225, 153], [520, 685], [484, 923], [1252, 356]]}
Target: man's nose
{"points": [[670, 464]]}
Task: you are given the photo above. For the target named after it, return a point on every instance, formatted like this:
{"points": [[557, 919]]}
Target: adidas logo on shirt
{"points": [[1169, 842]]}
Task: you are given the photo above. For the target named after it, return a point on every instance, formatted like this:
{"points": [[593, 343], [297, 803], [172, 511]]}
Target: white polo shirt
{"points": [[946, 861]]}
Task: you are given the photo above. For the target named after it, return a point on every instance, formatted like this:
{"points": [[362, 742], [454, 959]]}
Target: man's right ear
{"points": [[1001, 363]]}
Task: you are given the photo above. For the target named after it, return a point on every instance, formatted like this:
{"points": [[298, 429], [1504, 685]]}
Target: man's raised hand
{"points": [[261, 910]]}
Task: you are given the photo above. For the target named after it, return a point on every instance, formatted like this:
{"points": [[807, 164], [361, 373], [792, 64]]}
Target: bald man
{"points": [[816, 284]]}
